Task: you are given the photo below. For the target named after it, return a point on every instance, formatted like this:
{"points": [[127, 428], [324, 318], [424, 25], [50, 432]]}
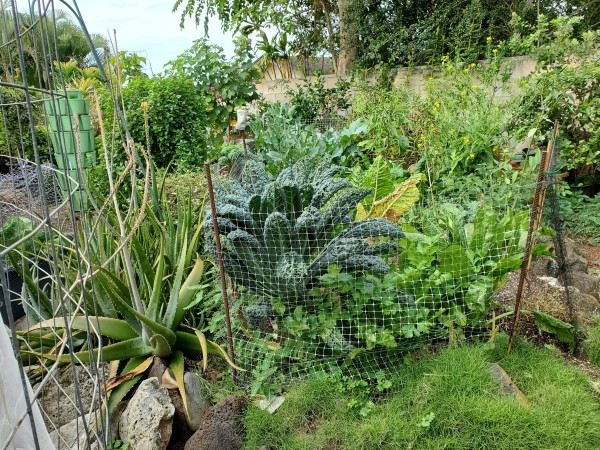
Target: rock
{"points": [[222, 428], [181, 430], [586, 283], [147, 421], [544, 266], [575, 256], [585, 306], [157, 369], [198, 404], [547, 295], [72, 435]]}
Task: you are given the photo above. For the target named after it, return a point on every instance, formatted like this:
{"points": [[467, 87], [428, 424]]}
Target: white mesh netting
{"points": [[323, 275]]}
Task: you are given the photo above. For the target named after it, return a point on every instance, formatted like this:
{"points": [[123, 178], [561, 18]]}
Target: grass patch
{"points": [[592, 343], [447, 400]]}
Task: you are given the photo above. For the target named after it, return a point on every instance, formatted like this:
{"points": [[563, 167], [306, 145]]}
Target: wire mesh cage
{"points": [[323, 276], [50, 389]]}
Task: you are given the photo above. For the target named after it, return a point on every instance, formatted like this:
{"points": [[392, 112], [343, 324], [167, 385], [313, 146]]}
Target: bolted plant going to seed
{"points": [[279, 236]]}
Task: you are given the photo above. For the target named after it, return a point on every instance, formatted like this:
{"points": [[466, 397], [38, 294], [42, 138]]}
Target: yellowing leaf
{"points": [[398, 203], [361, 213]]}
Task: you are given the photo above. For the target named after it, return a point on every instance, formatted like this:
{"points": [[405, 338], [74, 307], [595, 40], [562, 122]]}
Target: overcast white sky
{"points": [[148, 26]]}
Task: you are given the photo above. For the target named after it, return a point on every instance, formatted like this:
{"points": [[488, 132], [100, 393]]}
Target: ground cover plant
{"points": [[441, 400]]}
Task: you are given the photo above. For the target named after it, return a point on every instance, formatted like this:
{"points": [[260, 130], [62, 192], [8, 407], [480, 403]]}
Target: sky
{"points": [[148, 27]]}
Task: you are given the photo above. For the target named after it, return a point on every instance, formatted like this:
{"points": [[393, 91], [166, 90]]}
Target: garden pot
{"points": [[15, 287], [75, 177], [65, 141], [80, 199], [67, 107], [74, 94], [88, 159], [68, 123]]}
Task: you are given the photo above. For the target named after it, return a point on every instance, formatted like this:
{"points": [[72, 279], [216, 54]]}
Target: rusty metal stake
{"points": [[211, 196], [535, 219]]}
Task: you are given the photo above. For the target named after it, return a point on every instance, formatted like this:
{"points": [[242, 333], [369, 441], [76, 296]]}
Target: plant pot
{"points": [[15, 288], [75, 95], [88, 159], [65, 141], [67, 185], [80, 199], [68, 123], [67, 107]]}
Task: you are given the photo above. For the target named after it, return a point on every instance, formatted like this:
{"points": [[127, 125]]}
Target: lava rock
{"points": [[222, 428], [147, 421], [158, 368]]}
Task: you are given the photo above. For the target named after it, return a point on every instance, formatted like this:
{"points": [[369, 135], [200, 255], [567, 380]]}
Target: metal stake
{"points": [[211, 196], [534, 223]]}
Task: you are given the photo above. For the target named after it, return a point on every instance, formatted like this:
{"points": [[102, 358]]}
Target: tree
{"points": [[313, 26], [38, 33]]}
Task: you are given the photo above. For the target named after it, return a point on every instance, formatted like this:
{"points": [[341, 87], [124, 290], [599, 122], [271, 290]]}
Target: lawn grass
{"points": [[469, 410], [592, 343]]}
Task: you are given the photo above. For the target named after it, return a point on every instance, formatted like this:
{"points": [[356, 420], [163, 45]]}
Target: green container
{"points": [[67, 107], [80, 199], [64, 123], [88, 159], [67, 185], [74, 94], [66, 142]]}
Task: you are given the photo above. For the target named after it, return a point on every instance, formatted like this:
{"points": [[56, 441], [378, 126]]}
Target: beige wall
{"points": [[415, 77]]}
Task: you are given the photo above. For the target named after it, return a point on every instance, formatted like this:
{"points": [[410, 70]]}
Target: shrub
{"points": [[224, 84], [176, 119]]}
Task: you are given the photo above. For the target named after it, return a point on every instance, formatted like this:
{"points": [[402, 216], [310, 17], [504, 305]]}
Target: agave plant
{"points": [[280, 236]]}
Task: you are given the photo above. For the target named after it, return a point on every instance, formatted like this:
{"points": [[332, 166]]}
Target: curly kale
{"points": [[279, 236]]}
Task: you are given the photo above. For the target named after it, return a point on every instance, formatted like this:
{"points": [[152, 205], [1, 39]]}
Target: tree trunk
{"points": [[330, 35], [347, 40]]}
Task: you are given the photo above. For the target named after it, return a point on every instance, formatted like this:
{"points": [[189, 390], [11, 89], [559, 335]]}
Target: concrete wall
{"points": [[275, 90]]}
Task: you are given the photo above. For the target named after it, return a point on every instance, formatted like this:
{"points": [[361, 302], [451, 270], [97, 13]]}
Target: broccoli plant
{"points": [[280, 236]]}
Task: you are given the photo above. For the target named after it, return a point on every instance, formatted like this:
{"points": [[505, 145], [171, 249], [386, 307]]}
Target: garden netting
{"points": [[323, 274]]}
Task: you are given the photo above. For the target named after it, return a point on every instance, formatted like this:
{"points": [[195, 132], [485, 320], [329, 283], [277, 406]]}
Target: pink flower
{"points": [[212, 89], [218, 96]]}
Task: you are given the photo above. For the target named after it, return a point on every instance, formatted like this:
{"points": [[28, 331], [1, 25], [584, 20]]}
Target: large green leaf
{"points": [[109, 327]]}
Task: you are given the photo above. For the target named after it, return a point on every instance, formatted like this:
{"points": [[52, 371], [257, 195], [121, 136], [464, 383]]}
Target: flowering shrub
{"points": [[225, 85]]}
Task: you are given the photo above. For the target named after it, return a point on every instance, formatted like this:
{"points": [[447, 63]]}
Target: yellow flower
{"points": [[523, 81], [473, 86], [209, 108], [495, 50], [233, 123], [466, 70], [466, 139], [419, 145], [430, 78], [473, 65], [472, 155], [489, 39], [144, 105], [436, 104]]}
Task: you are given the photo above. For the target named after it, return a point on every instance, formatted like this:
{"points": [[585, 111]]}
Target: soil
{"points": [[593, 256]]}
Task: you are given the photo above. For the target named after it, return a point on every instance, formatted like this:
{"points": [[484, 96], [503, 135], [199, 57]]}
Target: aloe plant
{"points": [[167, 274], [280, 236]]}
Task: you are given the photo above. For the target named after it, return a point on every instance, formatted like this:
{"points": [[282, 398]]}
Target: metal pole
{"points": [[534, 223], [211, 196]]}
